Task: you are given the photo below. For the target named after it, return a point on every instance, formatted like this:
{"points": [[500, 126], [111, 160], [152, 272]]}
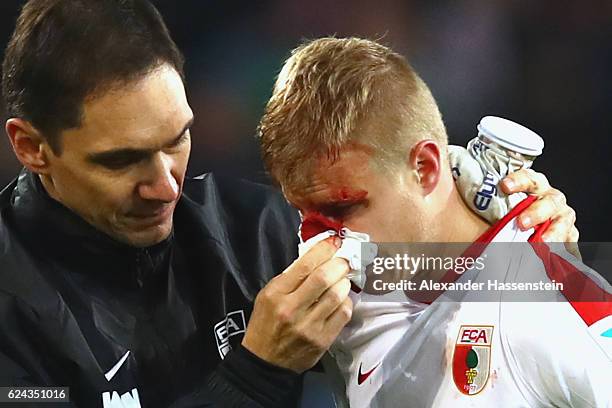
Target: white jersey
{"points": [[484, 354]]}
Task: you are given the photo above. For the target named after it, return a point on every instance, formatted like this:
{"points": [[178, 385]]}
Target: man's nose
{"points": [[161, 184]]}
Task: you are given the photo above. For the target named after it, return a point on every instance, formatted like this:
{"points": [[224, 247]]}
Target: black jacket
{"points": [[73, 301]]}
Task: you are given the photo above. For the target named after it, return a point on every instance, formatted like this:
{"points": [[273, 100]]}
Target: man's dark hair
{"points": [[63, 51]]}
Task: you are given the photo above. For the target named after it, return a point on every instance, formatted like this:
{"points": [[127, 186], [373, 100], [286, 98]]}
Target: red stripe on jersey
{"points": [[488, 236], [475, 249], [577, 286]]}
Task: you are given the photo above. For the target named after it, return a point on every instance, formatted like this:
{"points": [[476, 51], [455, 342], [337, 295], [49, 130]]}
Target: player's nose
{"points": [[161, 185]]}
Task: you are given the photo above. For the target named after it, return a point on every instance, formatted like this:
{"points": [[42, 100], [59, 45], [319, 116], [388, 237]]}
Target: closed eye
{"points": [[181, 139], [120, 159], [339, 211]]}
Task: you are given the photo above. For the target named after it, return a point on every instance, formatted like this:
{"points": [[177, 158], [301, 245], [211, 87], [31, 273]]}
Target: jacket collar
{"points": [[58, 234]]}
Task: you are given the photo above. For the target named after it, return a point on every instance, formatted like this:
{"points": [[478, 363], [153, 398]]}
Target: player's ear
{"points": [[425, 159], [29, 145]]}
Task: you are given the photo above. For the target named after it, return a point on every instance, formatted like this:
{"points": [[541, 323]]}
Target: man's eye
{"points": [[117, 164], [181, 140], [120, 161]]}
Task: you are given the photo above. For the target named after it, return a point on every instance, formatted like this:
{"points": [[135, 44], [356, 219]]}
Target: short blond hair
{"points": [[327, 93]]}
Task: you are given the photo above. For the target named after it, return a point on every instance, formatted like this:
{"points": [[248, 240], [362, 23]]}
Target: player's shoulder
{"points": [[553, 326], [582, 305], [550, 348]]}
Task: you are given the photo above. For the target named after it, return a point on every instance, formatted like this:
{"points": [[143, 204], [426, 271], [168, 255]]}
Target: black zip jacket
{"points": [[110, 321]]}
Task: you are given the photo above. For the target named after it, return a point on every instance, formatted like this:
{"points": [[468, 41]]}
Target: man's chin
{"points": [[146, 237]]}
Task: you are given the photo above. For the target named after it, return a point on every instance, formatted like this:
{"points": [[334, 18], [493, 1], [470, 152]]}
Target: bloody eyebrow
{"points": [[133, 154]]}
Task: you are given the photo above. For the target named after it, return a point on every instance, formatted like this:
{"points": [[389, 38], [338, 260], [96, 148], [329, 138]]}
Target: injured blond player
{"points": [[357, 143]]}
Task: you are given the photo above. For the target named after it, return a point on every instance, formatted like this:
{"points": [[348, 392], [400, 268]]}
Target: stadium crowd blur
{"points": [[546, 64]]}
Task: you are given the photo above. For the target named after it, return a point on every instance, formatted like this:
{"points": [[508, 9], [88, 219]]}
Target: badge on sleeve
{"points": [[472, 358]]}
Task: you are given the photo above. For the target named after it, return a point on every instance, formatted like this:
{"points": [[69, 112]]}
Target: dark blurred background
{"points": [[546, 64]]}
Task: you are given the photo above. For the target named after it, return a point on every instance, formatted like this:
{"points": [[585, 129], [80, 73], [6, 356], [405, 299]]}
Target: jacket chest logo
{"points": [[128, 400], [232, 325], [112, 399]]}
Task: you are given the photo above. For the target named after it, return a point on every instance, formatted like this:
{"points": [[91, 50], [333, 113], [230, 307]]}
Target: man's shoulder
{"points": [[21, 281], [5, 235], [198, 187], [14, 259], [20, 266], [248, 225], [238, 199], [5, 201], [6, 193]]}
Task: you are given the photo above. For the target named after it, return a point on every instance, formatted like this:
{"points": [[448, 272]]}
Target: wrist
{"points": [[266, 383]]}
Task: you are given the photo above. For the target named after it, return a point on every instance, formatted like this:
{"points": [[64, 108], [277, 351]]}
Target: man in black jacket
{"points": [[119, 277], [109, 283]]}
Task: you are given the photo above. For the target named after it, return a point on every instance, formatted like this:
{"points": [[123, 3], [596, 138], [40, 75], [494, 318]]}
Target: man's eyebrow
{"points": [[135, 154]]}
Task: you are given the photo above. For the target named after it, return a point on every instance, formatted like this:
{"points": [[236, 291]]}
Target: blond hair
{"points": [[334, 91]]}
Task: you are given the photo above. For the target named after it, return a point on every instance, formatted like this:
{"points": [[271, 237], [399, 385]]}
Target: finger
{"points": [[572, 245], [340, 317], [302, 267], [525, 181], [551, 205], [560, 227], [323, 278], [330, 300], [574, 235]]}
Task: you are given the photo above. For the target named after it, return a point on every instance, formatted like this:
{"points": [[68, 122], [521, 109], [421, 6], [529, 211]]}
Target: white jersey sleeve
{"points": [[563, 350], [555, 360]]}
